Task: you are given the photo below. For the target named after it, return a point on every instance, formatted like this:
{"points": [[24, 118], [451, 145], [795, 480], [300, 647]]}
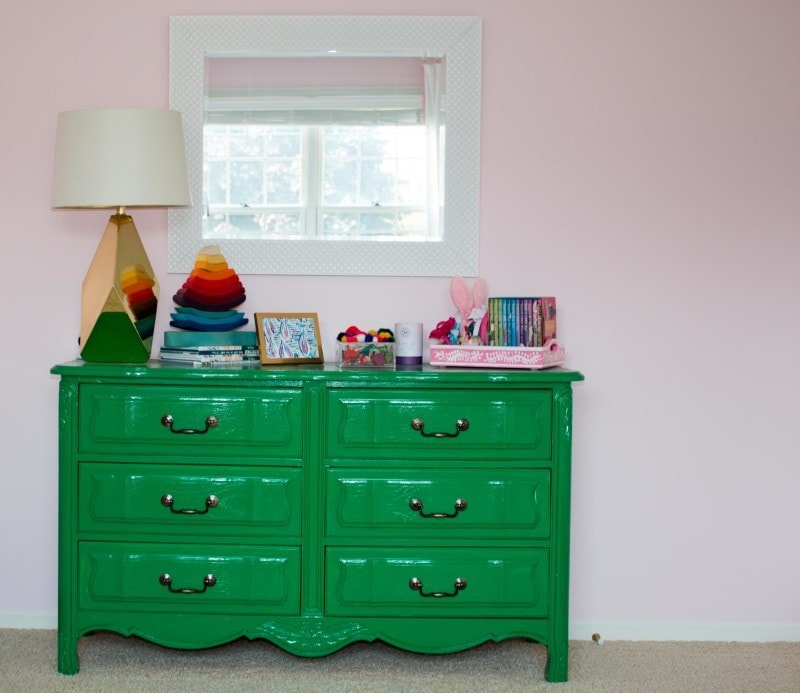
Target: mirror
{"points": [[201, 48], [333, 148]]}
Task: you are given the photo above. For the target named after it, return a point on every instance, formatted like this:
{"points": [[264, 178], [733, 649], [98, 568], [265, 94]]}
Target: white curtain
{"points": [[432, 104]]}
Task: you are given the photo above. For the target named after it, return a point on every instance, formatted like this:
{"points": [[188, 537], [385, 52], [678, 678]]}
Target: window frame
{"points": [[310, 210]]}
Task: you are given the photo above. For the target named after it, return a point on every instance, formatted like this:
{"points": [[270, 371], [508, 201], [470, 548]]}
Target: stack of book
{"points": [[211, 348], [521, 321]]}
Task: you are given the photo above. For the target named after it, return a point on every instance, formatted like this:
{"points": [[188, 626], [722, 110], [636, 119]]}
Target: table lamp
{"points": [[119, 158]]}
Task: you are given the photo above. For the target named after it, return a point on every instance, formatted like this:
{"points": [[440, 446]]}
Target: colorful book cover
{"points": [[522, 321]]}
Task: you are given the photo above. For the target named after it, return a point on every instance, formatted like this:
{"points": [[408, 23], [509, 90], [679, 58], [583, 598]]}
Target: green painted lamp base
{"points": [[114, 339]]}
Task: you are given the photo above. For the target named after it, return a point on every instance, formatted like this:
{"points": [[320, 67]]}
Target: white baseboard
{"points": [[685, 631], [31, 621]]}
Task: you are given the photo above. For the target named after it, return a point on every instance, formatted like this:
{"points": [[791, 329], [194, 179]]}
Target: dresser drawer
{"points": [[194, 421], [409, 425], [441, 582], [131, 577], [502, 504], [158, 500]]}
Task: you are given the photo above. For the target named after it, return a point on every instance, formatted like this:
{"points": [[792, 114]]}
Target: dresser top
{"points": [[278, 374]]}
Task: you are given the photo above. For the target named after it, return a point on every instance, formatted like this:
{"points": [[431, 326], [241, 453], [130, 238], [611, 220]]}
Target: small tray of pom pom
{"points": [[365, 354], [548, 356]]}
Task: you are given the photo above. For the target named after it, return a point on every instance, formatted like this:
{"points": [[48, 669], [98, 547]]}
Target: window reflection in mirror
{"points": [[332, 194], [327, 148]]}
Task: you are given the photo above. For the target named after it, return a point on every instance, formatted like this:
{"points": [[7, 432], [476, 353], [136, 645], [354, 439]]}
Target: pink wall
{"points": [[640, 161]]}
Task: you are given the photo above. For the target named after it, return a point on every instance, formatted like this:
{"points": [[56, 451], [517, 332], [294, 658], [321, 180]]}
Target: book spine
{"points": [[187, 339], [514, 315], [201, 359], [527, 330], [203, 350], [494, 329], [208, 354], [506, 320], [548, 319]]}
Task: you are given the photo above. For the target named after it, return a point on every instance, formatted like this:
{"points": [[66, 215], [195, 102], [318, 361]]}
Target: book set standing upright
{"points": [[521, 321]]}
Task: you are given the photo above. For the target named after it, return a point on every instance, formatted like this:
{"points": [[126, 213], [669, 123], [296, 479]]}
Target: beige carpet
{"points": [[117, 665]]}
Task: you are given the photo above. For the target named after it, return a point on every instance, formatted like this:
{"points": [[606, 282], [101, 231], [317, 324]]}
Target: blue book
{"points": [[178, 338]]}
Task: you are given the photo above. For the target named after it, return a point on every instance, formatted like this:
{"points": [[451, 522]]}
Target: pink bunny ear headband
{"points": [[472, 305]]}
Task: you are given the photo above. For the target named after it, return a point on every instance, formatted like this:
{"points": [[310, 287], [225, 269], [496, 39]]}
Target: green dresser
{"points": [[314, 507]]}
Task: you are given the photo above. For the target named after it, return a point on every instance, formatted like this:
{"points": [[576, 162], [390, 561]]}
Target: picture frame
{"points": [[288, 338]]}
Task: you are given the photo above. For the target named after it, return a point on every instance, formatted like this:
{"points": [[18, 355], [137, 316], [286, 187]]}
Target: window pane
{"points": [[340, 225], [379, 141], [241, 159], [230, 226], [390, 169], [284, 142], [215, 144], [217, 182], [340, 142], [412, 142], [340, 182], [411, 182], [377, 224], [284, 224], [284, 182], [247, 141], [247, 183], [412, 223], [377, 183], [254, 225]]}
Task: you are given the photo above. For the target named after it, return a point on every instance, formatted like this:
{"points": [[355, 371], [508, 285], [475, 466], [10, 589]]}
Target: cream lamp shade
{"points": [[119, 158]]}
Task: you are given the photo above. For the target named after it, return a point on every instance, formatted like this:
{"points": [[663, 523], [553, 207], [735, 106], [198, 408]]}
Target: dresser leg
{"points": [[67, 655], [557, 663]]}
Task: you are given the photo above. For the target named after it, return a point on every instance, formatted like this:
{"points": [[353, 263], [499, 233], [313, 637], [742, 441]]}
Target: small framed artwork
{"points": [[288, 338]]}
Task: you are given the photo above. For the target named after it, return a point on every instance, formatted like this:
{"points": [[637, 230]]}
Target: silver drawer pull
{"points": [[169, 502], [168, 421], [416, 584], [419, 425], [416, 505], [208, 581]]}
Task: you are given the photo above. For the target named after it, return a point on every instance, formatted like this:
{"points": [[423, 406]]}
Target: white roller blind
{"points": [[316, 106]]}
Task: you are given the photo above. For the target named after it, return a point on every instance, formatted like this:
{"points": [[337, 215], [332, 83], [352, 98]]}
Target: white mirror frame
{"points": [[457, 39]]}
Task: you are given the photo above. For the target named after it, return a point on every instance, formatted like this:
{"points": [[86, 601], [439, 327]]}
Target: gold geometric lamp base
{"points": [[119, 298], [115, 158]]}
